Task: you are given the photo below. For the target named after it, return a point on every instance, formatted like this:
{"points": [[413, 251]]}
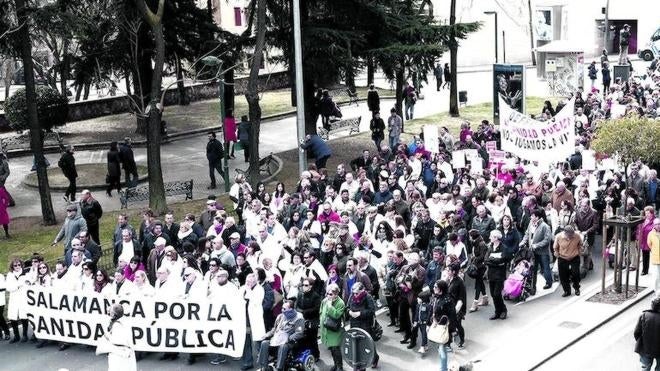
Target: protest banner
{"points": [[431, 138], [458, 159], [157, 324], [491, 146], [532, 140], [497, 157]]}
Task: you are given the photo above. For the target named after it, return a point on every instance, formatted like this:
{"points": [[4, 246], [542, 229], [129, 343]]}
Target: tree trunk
{"points": [[453, 51], [252, 95], [229, 97], [350, 71], [157, 201], [127, 81], [79, 88], [180, 85], [36, 136], [86, 90], [398, 105], [370, 70], [531, 32], [144, 74]]}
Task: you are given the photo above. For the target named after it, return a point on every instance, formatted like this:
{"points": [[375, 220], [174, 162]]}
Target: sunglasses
{"points": [[213, 265], [43, 267], [305, 285]]}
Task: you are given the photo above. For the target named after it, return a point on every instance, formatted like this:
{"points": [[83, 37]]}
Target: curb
{"points": [[94, 187], [170, 138], [642, 295]]}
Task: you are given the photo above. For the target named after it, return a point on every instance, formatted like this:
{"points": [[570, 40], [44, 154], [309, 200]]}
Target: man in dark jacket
{"points": [[92, 211], [89, 245], [318, 148], [373, 100], [309, 304], [127, 159], [68, 165], [244, 136], [647, 336], [214, 153]]}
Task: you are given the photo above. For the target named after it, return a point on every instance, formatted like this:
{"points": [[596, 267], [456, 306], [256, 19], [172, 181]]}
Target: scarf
{"points": [[289, 314], [219, 228], [357, 298], [98, 286]]}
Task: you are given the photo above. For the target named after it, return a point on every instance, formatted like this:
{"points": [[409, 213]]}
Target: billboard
{"points": [[508, 83]]}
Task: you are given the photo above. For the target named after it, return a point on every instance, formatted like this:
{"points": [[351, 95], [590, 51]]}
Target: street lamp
{"points": [[212, 61], [491, 12], [300, 96]]}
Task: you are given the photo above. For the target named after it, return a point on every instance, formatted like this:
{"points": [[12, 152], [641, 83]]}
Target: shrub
{"points": [[52, 109]]}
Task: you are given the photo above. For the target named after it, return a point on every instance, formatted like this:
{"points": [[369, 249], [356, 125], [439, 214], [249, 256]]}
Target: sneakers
{"points": [[422, 350], [379, 304], [483, 301], [218, 360], [474, 307], [461, 346]]}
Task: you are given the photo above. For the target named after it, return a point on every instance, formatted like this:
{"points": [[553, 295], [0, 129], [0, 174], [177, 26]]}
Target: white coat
{"points": [[198, 290], [119, 346], [15, 282], [255, 297], [3, 291], [170, 289], [126, 289], [144, 291]]}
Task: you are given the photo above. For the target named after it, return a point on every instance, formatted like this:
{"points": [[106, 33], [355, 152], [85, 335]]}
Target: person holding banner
{"points": [[117, 342], [253, 294], [15, 282]]}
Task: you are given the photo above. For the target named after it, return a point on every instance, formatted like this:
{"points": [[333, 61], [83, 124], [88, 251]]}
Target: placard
{"points": [[588, 160], [491, 146], [458, 159], [431, 138]]}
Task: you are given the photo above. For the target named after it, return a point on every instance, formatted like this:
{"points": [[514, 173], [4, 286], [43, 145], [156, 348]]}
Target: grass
{"points": [[30, 236]]}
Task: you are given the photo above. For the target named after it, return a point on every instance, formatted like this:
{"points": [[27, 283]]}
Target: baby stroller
{"points": [[518, 285]]}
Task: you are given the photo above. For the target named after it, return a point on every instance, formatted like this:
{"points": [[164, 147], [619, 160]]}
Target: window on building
{"points": [[238, 17]]}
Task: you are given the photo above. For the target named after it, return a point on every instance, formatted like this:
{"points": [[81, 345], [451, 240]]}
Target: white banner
{"points": [[533, 140], [157, 324]]}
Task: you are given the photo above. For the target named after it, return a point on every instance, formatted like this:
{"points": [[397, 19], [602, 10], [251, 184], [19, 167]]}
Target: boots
{"points": [[483, 302], [336, 359], [475, 306]]}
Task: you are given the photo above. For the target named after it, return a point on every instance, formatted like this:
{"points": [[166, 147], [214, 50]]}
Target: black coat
{"points": [[214, 151], [127, 157], [647, 334], [373, 101], [114, 169], [497, 266], [68, 165], [367, 309], [92, 212], [309, 304], [377, 127]]}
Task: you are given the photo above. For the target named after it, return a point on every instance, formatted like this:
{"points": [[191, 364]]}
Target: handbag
{"points": [[376, 330], [107, 178], [332, 324], [472, 271], [439, 333]]}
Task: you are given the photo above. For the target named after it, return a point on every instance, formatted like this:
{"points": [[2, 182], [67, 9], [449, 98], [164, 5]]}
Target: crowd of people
{"points": [[399, 228]]}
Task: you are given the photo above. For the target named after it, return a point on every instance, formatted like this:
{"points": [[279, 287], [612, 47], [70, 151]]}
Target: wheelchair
{"points": [[300, 359]]}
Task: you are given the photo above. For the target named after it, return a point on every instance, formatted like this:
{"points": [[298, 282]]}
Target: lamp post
{"points": [[491, 12], [213, 61], [300, 93]]}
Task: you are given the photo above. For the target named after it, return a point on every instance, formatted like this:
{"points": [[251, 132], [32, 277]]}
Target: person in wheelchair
{"points": [[284, 337]]}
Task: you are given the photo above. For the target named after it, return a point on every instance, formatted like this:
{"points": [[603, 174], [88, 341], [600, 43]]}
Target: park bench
{"points": [[352, 124], [141, 193], [342, 95], [265, 166], [23, 142]]}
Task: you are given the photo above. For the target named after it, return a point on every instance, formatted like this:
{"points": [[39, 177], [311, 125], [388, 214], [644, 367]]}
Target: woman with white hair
{"points": [[142, 286], [497, 259], [117, 342], [172, 262]]}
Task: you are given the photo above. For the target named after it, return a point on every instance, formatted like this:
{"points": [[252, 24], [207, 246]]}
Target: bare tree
{"points": [[453, 59], [531, 32]]}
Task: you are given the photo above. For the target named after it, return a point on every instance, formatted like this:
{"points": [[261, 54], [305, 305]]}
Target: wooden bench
{"points": [[23, 141], [352, 124], [264, 166], [343, 95], [141, 193]]}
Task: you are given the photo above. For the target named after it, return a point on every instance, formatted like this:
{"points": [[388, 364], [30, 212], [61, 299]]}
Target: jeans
{"points": [[647, 362], [394, 141], [569, 270], [442, 351], [479, 287], [320, 162], [646, 256], [543, 261], [213, 167], [623, 54], [410, 110]]}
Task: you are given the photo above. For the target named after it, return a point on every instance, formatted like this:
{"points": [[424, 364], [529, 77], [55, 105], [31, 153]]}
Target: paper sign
{"points": [[491, 146], [471, 154], [497, 156], [431, 139], [476, 167], [458, 159], [588, 160]]}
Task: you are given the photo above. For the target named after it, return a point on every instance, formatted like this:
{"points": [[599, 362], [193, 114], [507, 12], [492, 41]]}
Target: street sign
{"points": [[550, 65], [358, 348]]}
